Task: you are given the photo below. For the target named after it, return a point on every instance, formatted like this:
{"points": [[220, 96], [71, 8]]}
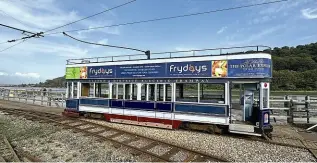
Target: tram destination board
{"points": [[237, 68]]}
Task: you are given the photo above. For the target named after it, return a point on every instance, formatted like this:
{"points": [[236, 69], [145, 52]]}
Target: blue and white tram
{"points": [[219, 93]]}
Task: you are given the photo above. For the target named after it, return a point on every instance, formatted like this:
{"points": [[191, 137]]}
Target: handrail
{"points": [[169, 53]]}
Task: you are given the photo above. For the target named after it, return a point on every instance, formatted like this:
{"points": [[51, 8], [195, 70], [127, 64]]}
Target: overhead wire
{"points": [[103, 44], [6, 14], [12, 46], [41, 33], [167, 18], [91, 16]]}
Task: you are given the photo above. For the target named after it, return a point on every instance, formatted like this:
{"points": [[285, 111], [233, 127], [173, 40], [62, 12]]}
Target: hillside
{"points": [[294, 68], [57, 82]]}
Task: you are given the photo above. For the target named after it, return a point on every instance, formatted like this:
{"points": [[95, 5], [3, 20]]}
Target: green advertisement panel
{"points": [[72, 72]]}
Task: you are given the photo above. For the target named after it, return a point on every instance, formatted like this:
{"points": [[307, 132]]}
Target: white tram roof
{"points": [[253, 64], [167, 60]]}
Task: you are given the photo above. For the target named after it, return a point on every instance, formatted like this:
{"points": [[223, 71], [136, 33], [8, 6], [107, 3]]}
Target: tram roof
{"points": [[243, 64], [177, 56]]}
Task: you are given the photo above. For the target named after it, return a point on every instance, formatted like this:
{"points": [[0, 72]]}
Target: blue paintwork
{"points": [[247, 68], [210, 109], [166, 106], [263, 119], [72, 104], [139, 105], [116, 103], [94, 101], [150, 105]]}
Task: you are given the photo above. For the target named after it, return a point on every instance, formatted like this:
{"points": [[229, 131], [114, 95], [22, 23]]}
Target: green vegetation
{"points": [[295, 68], [57, 82]]}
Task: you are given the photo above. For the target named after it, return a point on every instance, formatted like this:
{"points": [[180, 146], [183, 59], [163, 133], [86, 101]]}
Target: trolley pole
{"points": [[148, 54]]}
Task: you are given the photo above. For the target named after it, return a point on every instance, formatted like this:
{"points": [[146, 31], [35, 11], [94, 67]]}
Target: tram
{"points": [[224, 92]]}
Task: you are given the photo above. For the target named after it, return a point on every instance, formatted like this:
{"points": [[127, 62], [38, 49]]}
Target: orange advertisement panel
{"points": [[219, 68]]}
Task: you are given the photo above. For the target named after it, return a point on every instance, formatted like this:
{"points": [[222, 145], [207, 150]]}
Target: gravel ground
{"points": [[53, 144], [233, 149]]}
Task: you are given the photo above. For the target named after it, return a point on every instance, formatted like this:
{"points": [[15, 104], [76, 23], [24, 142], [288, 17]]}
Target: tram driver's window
{"points": [[187, 92], [212, 93]]}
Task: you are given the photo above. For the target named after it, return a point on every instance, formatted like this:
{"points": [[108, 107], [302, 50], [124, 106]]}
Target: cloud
{"points": [[309, 13], [221, 30], [33, 47], [3, 74], [260, 20], [256, 36], [30, 74]]}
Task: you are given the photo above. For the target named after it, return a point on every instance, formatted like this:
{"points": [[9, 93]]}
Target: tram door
{"points": [[247, 100]]}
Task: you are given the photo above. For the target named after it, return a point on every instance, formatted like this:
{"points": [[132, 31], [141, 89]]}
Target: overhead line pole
{"points": [[147, 53]]}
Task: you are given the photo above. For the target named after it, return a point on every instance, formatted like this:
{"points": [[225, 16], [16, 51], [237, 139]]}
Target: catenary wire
{"points": [[91, 16], [12, 46], [167, 18]]}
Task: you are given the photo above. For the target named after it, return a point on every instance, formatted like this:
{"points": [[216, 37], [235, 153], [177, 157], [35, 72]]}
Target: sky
{"points": [[289, 23]]}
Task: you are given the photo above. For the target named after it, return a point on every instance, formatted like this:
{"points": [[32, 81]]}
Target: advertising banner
{"points": [[188, 69], [238, 68], [141, 70], [255, 68], [96, 72], [72, 72]]}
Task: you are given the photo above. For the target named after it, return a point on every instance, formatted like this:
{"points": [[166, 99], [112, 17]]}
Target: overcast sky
{"points": [[287, 23]]}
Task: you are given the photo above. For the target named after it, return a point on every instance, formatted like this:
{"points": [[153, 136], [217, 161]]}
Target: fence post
{"points": [[33, 97], [307, 105], [42, 97], [48, 99], [26, 96], [62, 100], [290, 115]]}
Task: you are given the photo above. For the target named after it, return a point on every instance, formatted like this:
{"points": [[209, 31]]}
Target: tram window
{"points": [[265, 98], [91, 90], [75, 90], [127, 91], [159, 92], [187, 92], [134, 92], [120, 91], [151, 93], [104, 90], [143, 92], [69, 89], [168, 91], [212, 93], [114, 91]]}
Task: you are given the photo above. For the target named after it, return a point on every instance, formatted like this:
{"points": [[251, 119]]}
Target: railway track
{"points": [[7, 154], [159, 150], [311, 146]]}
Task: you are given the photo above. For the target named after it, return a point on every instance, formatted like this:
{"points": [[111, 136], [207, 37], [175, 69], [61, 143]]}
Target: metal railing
{"points": [[174, 54], [37, 97]]}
